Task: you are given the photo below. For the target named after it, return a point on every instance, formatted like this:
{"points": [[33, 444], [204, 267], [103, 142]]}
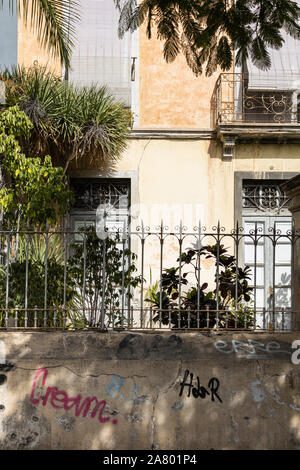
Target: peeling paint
{"points": [[178, 405], [257, 392]]}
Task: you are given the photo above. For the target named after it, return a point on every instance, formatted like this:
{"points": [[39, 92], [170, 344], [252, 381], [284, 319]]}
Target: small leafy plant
{"points": [[104, 274], [197, 306]]}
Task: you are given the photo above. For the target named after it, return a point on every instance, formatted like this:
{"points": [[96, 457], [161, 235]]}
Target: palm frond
{"points": [[54, 22], [246, 25], [69, 122]]}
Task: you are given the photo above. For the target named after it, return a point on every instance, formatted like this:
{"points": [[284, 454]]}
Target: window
{"points": [[99, 56], [265, 211], [93, 194]]}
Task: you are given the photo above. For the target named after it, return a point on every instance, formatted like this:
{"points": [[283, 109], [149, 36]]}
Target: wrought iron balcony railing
{"points": [[237, 102]]}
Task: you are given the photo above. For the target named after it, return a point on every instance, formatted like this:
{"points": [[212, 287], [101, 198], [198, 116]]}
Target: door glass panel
{"points": [[250, 253], [283, 253], [283, 297], [265, 207], [283, 275], [260, 273]]}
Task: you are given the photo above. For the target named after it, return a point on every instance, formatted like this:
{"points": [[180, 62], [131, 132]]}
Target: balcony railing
{"points": [[236, 102]]}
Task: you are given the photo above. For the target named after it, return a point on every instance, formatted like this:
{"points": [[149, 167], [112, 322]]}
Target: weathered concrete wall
{"points": [[250, 399]]}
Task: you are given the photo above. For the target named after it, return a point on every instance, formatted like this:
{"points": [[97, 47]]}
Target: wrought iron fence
{"points": [[236, 101], [143, 279]]}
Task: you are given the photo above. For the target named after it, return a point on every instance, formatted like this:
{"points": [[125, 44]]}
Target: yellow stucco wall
{"points": [[30, 51], [192, 172], [171, 96]]}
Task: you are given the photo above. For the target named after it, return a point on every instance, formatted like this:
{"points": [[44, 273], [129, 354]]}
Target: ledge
{"points": [[264, 132], [144, 133]]}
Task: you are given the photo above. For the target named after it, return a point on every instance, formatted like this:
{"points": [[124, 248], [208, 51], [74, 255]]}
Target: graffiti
{"points": [[4, 367], [60, 399], [114, 388], [251, 349], [199, 391], [295, 356]]}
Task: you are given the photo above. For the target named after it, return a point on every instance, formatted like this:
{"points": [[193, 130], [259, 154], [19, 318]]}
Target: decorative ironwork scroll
{"points": [[266, 196], [235, 102]]}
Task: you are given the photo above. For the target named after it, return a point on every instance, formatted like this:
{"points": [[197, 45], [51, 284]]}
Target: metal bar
{"points": [[64, 318], [6, 318], [130, 315], [218, 273], [35, 317], [46, 274], [54, 316], [84, 278], [16, 317], [161, 262], [294, 239], [103, 283], [45, 318], [123, 281], [142, 271], [26, 319], [245, 318], [179, 273], [7, 273], [236, 290], [273, 268], [255, 266], [65, 267], [198, 270], [131, 318], [26, 276], [207, 316]]}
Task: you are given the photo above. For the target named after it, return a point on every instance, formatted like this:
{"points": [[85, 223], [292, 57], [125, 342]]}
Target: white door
{"points": [[268, 254]]}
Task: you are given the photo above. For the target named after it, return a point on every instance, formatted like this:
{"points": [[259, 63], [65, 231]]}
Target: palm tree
{"points": [[69, 122], [53, 21]]}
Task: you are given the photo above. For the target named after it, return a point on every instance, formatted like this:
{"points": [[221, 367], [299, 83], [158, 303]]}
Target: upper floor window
{"points": [[100, 56]]}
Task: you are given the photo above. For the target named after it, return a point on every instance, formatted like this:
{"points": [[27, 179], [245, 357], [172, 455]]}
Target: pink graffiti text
{"points": [[60, 399]]}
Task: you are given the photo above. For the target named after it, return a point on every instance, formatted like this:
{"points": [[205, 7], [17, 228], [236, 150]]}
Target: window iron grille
{"points": [[264, 197], [88, 195]]}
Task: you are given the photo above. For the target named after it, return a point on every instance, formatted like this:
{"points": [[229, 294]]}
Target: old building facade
{"points": [[210, 149]]}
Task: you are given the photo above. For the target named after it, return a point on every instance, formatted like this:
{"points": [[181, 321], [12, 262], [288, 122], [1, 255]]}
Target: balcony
{"points": [[264, 111]]}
